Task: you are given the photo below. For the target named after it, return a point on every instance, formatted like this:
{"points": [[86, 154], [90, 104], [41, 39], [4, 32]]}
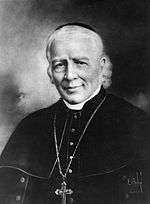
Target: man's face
{"points": [[76, 67]]}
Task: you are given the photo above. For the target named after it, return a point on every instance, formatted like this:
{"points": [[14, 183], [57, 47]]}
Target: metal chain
{"points": [[62, 137], [56, 143]]}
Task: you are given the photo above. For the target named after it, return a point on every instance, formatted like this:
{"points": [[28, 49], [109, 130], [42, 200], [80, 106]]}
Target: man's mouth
{"points": [[72, 88]]}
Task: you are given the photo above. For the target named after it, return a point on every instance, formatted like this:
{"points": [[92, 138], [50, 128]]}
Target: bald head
{"points": [[73, 31]]}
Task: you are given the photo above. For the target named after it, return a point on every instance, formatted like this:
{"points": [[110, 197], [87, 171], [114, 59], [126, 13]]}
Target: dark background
{"points": [[24, 27]]}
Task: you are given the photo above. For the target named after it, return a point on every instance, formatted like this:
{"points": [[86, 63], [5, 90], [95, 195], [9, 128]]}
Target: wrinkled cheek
{"points": [[58, 80], [64, 83]]}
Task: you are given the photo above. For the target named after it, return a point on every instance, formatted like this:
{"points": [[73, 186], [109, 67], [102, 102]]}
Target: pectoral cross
{"points": [[63, 192]]}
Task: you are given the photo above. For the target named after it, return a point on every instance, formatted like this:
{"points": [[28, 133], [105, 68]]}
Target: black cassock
{"points": [[111, 164]]}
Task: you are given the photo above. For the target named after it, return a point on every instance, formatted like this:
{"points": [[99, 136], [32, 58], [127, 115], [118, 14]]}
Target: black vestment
{"points": [[111, 164]]}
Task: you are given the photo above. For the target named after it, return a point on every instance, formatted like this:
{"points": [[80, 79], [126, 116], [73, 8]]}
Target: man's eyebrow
{"points": [[81, 58], [57, 60], [74, 58]]}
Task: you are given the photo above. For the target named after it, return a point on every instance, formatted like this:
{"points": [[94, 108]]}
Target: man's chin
{"points": [[74, 100]]}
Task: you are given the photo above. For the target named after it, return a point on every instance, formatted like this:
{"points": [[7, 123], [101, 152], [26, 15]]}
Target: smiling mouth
{"points": [[71, 89]]}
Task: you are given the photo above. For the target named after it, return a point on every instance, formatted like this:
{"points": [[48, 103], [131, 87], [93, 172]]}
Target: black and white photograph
{"points": [[74, 102]]}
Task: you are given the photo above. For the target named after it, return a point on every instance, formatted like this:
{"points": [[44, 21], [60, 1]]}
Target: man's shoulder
{"points": [[124, 108], [42, 114], [130, 118], [130, 121]]}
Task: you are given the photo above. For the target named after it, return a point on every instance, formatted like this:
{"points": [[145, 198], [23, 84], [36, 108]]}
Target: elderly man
{"points": [[90, 147]]}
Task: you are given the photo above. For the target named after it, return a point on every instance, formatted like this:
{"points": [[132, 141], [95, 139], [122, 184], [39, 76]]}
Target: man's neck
{"points": [[79, 106]]}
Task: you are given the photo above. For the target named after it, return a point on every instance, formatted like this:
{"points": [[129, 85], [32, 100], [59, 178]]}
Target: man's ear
{"points": [[49, 72], [106, 71], [103, 61]]}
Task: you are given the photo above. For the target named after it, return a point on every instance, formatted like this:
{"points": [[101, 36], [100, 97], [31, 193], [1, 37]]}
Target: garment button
{"points": [[72, 130], [70, 171], [18, 198], [75, 116], [22, 179], [71, 143]]}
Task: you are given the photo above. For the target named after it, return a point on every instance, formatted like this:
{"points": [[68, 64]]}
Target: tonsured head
{"points": [[76, 62]]}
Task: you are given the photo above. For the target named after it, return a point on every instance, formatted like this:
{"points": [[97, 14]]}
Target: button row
{"points": [[18, 197], [73, 130]]}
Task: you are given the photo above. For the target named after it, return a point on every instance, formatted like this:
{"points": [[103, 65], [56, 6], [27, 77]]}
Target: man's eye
{"points": [[59, 67], [80, 62]]}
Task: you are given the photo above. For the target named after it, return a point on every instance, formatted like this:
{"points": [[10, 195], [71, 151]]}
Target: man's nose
{"points": [[70, 71]]}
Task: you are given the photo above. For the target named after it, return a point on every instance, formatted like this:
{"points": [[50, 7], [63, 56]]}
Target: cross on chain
{"points": [[63, 192]]}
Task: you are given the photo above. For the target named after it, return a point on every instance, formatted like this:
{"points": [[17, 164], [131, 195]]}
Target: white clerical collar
{"points": [[79, 106]]}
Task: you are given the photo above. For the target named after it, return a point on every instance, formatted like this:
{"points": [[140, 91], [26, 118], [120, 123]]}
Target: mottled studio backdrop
{"points": [[24, 27]]}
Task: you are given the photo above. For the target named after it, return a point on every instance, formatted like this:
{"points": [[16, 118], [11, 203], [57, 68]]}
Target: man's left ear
{"points": [[106, 71], [103, 61]]}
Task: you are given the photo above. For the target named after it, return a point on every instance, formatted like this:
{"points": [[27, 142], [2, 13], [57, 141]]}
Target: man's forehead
{"points": [[74, 39], [70, 34], [73, 34], [74, 46]]}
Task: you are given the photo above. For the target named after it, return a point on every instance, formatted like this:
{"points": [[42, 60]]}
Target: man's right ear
{"points": [[49, 72]]}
